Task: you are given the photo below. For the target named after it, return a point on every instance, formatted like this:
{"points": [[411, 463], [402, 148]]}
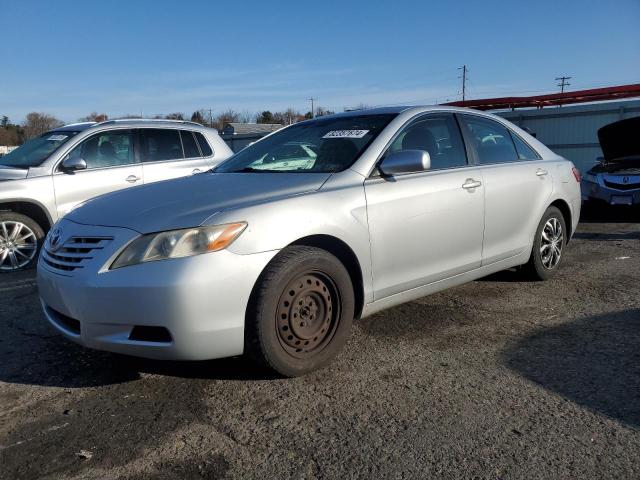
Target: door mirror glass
{"points": [[71, 164], [405, 161]]}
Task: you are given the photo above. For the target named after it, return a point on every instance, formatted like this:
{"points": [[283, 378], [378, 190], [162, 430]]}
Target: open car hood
{"points": [[620, 141]]}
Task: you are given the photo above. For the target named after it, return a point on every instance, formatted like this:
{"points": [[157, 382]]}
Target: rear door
{"points": [[112, 164], [170, 153], [426, 226], [517, 184]]}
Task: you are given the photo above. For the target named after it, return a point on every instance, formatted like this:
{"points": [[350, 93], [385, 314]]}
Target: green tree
{"points": [[265, 117]]}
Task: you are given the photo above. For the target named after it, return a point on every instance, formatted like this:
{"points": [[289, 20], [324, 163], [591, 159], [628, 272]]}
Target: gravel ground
{"points": [[500, 378]]}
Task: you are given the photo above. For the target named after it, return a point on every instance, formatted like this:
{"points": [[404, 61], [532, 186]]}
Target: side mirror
{"points": [[405, 161], [72, 164]]}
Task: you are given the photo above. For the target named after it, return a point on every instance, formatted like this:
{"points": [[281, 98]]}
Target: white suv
{"points": [[48, 176]]}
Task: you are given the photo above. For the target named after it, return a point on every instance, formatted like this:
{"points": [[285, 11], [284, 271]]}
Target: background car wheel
{"points": [[20, 241], [548, 245], [300, 312]]}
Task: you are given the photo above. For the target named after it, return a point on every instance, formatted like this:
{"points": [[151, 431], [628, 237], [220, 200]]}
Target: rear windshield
{"points": [[321, 145], [36, 150]]}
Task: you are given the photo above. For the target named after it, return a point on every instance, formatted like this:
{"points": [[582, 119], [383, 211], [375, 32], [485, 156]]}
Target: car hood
{"points": [[620, 141], [189, 201], [10, 173]]}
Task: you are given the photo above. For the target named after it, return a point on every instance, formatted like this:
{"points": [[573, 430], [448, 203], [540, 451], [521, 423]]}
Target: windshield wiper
{"points": [[248, 170]]}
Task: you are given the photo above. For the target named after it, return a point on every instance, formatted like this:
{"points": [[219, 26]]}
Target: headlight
{"points": [[178, 243]]}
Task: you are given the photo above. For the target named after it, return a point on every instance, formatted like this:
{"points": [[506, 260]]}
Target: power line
{"points": [[464, 81], [563, 83], [313, 113]]}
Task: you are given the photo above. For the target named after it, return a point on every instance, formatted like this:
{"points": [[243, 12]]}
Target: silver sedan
{"points": [[277, 250]]}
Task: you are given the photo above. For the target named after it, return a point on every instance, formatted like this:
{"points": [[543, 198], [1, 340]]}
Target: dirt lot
{"points": [[499, 378]]}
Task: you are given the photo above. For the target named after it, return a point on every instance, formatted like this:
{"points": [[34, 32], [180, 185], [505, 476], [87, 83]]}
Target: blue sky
{"points": [[69, 58]]}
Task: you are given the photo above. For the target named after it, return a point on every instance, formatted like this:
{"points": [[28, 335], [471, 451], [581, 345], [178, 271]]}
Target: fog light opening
{"points": [[141, 333]]}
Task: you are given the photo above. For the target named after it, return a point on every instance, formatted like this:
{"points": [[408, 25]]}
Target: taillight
{"points": [[576, 174]]}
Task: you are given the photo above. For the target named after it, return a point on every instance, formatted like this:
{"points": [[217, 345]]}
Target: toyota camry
{"points": [[275, 251]]}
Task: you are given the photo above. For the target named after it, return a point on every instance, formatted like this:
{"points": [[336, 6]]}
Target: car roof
{"points": [[81, 126]]}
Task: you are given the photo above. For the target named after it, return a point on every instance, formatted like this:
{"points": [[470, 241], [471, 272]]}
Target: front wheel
{"points": [[20, 241], [548, 245], [300, 312]]}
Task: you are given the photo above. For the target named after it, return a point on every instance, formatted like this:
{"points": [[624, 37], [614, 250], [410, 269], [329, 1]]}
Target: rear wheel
{"points": [[548, 245], [20, 241], [300, 312]]}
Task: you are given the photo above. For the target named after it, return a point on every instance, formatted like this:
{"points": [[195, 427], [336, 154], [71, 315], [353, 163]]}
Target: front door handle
{"points": [[132, 179], [541, 172], [471, 183], [196, 170]]}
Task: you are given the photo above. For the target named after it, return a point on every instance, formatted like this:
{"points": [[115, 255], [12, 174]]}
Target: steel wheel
{"points": [[551, 243], [307, 314], [18, 245]]}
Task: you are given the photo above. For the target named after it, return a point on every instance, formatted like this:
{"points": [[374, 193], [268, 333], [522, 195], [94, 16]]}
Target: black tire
{"points": [[8, 218], [539, 267], [300, 312]]}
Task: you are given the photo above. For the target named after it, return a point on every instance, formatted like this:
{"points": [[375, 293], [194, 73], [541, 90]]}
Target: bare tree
{"points": [[37, 123], [246, 117], [228, 116], [95, 117], [174, 116]]}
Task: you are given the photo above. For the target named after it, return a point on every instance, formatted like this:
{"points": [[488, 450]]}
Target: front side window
{"points": [[322, 145], [160, 144], [36, 150], [491, 139], [439, 136], [106, 149], [525, 152]]}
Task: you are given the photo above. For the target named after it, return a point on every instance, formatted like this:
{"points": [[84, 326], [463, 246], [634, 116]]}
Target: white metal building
{"points": [[572, 131]]}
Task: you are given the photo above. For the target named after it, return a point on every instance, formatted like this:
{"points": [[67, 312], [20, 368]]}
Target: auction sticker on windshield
{"points": [[57, 138], [346, 134]]}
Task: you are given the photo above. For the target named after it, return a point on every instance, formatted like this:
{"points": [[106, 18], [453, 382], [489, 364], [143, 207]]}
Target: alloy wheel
{"points": [[18, 245], [551, 243]]}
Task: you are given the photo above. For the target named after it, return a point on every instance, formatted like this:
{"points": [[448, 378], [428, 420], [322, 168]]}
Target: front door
{"points": [[426, 226], [111, 165]]}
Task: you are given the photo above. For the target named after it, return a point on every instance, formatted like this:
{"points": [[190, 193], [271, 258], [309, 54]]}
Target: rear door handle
{"points": [[132, 179], [471, 183], [540, 172]]}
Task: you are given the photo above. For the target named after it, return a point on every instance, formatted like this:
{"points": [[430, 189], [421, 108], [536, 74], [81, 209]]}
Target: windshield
{"points": [[36, 150], [322, 145]]}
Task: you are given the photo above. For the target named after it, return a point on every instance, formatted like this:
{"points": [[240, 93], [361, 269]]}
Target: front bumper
{"points": [[599, 191], [200, 300]]}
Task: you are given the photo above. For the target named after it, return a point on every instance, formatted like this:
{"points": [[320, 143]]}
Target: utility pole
{"points": [[563, 83], [464, 81], [210, 119], [313, 112]]}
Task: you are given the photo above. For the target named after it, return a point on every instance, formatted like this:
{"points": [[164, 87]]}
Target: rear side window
{"points": [[492, 140], [160, 144], [439, 135], [525, 152], [189, 144], [205, 148]]}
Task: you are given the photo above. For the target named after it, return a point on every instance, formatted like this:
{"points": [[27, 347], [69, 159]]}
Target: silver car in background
{"points": [[274, 256], [49, 175]]}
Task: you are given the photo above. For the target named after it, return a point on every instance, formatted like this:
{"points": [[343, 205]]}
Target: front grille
{"points": [[622, 186], [74, 253]]}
